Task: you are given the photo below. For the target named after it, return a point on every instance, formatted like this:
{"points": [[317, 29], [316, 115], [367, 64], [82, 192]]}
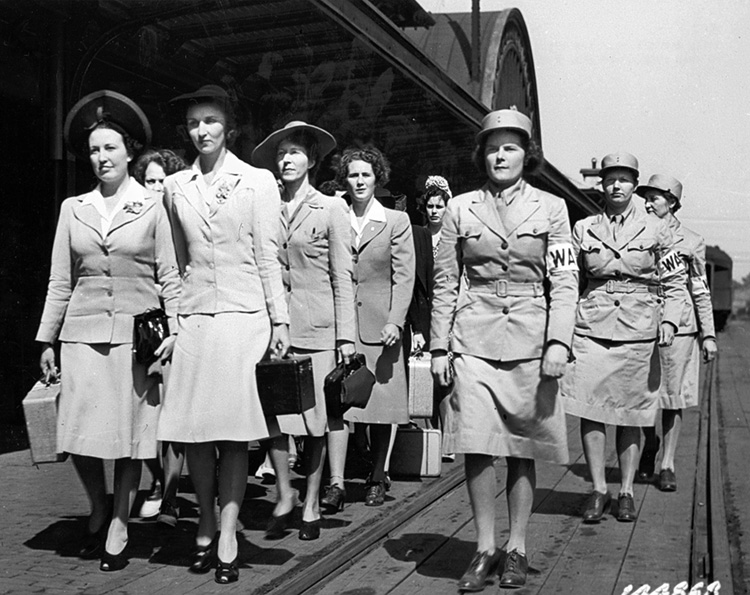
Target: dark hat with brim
{"points": [[621, 160], [205, 92], [264, 154], [662, 183], [99, 107]]}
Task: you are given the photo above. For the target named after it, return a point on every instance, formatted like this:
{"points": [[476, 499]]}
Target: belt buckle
{"points": [[609, 286], [501, 287]]}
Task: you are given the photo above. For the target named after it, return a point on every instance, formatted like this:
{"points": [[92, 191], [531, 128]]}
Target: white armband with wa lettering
{"points": [[670, 264], [560, 257]]}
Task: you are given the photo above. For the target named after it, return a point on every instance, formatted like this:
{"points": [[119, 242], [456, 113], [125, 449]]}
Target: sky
{"points": [[667, 81]]}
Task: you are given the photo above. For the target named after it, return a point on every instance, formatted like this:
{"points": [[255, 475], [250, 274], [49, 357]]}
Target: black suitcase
{"points": [[285, 385]]}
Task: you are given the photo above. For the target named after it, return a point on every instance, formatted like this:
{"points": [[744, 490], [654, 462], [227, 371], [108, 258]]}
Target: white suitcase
{"points": [[40, 410], [420, 385], [416, 453]]}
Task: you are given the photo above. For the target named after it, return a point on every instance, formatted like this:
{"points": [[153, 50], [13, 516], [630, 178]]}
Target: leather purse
{"points": [[348, 385], [285, 385], [150, 328]]}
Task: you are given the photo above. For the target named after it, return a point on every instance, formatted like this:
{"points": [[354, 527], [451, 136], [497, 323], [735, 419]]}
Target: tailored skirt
{"points": [[613, 382], [313, 422], [388, 403], [212, 394], [680, 367], [504, 409], [109, 406]]}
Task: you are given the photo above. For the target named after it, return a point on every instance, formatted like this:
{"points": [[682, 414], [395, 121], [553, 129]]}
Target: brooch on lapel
{"points": [[133, 206], [223, 191]]}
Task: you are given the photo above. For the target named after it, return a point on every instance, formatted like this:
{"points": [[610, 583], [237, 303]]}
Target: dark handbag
{"points": [[348, 385], [285, 385], [150, 328]]}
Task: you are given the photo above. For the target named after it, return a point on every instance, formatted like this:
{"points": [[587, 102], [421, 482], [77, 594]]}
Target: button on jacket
{"points": [[496, 306], [697, 310], [98, 282], [633, 259], [227, 241], [316, 261], [383, 274]]}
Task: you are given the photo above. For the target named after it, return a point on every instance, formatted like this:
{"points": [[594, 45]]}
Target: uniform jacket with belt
{"points": [[622, 272], [316, 261], [227, 246], [497, 308], [383, 274], [98, 283], [697, 310], [421, 302]]}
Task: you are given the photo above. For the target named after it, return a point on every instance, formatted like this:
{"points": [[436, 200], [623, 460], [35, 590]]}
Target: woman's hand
{"points": [[390, 335], [346, 350], [164, 351], [440, 366], [417, 342], [280, 341], [709, 349], [47, 363], [666, 334], [555, 360]]}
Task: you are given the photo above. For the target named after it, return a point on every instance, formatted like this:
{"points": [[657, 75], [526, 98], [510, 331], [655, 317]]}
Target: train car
{"points": [[719, 273]]}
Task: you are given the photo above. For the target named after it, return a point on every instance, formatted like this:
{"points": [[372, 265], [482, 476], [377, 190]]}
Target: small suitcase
{"points": [[416, 453], [40, 410], [285, 385], [420, 385]]}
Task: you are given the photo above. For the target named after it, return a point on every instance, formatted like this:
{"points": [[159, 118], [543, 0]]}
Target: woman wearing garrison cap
{"points": [[628, 268], [510, 338], [112, 246], [695, 333]]}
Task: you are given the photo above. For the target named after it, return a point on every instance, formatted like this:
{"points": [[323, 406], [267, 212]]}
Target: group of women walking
{"points": [[251, 261]]}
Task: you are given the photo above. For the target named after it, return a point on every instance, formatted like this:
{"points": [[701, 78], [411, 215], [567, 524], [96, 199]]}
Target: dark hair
{"points": [[230, 113], [674, 202], [369, 154], [430, 193], [307, 140], [132, 146], [532, 160], [329, 187], [168, 160]]}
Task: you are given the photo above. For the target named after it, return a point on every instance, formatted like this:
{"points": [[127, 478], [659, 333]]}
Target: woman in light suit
{"points": [[317, 271], [695, 333], [225, 221], [383, 250], [111, 247], [510, 338]]}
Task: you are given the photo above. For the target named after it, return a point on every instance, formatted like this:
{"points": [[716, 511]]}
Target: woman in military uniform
{"points": [[623, 255], [695, 333], [510, 338]]}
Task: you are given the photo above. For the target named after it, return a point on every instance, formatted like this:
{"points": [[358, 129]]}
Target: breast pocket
{"points": [[639, 257], [532, 236], [315, 246]]}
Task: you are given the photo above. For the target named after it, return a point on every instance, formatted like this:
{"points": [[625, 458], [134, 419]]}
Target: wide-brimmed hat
{"points": [[205, 92], [619, 160], [104, 106], [505, 119], [662, 183], [264, 154]]}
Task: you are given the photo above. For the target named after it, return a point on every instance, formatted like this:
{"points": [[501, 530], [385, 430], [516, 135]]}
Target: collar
{"points": [[375, 212], [626, 214], [231, 165], [509, 194]]}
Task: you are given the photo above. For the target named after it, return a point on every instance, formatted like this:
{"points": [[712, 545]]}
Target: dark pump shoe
{"points": [[310, 530], [626, 508], [203, 558], [596, 507], [667, 481], [113, 562], [226, 572], [277, 526], [333, 501], [647, 463], [375, 494], [515, 570], [482, 565]]}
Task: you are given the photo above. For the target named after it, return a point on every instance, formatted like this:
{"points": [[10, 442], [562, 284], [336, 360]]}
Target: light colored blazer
{"points": [[697, 310], [227, 250], [317, 271], [97, 284], [642, 254], [383, 274], [490, 271]]}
